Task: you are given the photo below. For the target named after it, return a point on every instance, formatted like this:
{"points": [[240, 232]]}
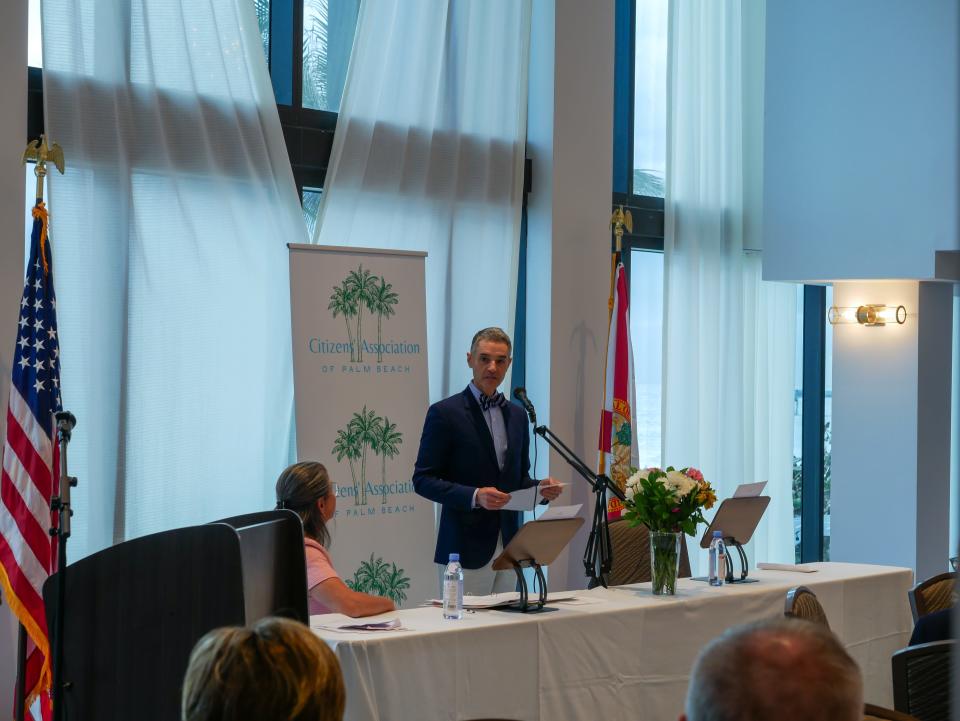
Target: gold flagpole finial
{"points": [[619, 220], [39, 152]]}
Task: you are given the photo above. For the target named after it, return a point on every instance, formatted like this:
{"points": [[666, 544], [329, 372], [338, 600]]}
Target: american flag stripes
{"points": [[31, 459]]}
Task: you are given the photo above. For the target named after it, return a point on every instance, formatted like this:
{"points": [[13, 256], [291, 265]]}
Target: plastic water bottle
{"points": [[718, 559], [453, 588]]}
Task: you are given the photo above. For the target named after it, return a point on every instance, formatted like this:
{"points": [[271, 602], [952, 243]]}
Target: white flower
{"points": [[634, 480], [679, 484]]}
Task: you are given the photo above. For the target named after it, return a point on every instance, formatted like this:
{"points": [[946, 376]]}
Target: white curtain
{"points": [[428, 155], [729, 337], [170, 228]]}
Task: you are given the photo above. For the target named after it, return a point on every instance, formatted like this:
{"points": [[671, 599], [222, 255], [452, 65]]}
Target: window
{"points": [[639, 163], [308, 43], [650, 99], [328, 30], [646, 333], [310, 199]]}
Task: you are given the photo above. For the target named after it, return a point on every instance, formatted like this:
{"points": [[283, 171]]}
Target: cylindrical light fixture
{"points": [[867, 315]]}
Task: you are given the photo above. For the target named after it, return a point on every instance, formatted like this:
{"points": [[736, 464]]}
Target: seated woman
{"points": [[305, 489]]}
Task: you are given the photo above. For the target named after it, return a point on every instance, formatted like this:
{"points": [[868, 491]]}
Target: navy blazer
{"points": [[456, 457]]}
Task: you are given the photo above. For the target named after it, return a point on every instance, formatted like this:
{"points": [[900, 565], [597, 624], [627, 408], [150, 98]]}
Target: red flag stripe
{"points": [[37, 538], [28, 422], [35, 465], [30, 475], [22, 562]]}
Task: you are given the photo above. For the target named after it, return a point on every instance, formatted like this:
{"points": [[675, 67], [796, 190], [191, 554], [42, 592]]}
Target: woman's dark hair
{"points": [[299, 488]]}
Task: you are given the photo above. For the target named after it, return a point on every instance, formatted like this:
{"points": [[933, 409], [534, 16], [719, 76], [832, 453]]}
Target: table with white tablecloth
{"points": [[617, 653]]}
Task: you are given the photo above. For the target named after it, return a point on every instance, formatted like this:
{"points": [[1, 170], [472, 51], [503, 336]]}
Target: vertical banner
{"points": [[360, 385]]}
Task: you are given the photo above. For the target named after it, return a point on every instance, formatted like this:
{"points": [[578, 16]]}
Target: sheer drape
{"points": [[729, 337], [170, 224], [428, 155]]}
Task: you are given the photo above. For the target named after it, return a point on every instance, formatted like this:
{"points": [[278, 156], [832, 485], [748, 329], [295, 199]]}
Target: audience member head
{"points": [[785, 669], [277, 670], [305, 489]]}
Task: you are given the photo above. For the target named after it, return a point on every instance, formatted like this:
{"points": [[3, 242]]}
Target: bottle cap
{"points": [[718, 534], [454, 557]]}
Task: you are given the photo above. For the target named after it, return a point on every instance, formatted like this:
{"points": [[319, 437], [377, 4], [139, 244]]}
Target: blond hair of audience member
{"points": [[278, 670], [305, 488], [785, 669]]}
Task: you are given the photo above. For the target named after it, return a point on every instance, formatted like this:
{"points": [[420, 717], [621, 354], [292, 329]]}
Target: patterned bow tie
{"points": [[497, 400]]}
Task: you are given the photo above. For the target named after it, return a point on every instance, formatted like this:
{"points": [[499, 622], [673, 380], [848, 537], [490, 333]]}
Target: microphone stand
{"points": [[60, 504], [598, 557]]}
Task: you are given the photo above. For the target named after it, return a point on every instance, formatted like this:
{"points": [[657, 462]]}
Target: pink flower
{"points": [[675, 510], [694, 474]]}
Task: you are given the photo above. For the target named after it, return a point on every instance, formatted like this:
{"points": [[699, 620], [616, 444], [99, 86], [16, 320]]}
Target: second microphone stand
{"points": [[598, 557]]}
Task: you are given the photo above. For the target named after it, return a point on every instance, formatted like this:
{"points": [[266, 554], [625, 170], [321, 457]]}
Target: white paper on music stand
{"points": [[554, 513], [749, 490]]}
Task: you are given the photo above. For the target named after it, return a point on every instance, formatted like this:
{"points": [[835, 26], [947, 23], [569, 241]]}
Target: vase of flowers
{"points": [[668, 502]]}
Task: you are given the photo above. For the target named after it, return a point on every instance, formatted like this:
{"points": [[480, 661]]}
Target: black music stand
{"points": [[536, 544], [274, 565], [135, 612], [737, 519]]}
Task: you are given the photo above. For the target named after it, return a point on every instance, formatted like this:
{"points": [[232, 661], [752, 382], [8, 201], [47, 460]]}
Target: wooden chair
{"points": [[934, 594], [879, 713], [921, 680], [631, 554], [803, 603]]}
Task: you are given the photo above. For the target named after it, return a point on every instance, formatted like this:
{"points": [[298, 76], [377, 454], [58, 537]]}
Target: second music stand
{"points": [[536, 544], [737, 519]]}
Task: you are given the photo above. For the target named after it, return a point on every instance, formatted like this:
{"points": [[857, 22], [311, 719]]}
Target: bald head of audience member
{"points": [[785, 669], [277, 669]]}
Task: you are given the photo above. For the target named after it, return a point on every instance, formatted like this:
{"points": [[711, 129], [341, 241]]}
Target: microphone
{"points": [[520, 394]]}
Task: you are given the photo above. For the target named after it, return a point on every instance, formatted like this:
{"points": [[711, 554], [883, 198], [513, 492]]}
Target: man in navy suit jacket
{"points": [[474, 451]]}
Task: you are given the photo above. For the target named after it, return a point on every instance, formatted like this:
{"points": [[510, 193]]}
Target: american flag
{"points": [[31, 460]]}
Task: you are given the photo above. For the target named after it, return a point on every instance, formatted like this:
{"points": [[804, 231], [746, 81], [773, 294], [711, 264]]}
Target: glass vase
{"points": [[664, 561]]}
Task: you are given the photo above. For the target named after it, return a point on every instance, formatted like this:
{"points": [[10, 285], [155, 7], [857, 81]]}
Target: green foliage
{"points": [[376, 577], [655, 505], [827, 475]]}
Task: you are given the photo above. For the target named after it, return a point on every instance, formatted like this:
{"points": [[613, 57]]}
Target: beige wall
{"points": [[570, 138]]}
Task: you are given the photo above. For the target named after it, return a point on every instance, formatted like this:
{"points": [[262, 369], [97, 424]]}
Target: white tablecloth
{"points": [[622, 653]]}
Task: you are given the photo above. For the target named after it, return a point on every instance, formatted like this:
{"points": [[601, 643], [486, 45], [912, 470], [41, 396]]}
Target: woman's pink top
{"points": [[319, 569]]}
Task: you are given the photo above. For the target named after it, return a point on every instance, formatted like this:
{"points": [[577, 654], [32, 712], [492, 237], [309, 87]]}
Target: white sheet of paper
{"points": [[749, 490], [763, 566], [524, 500], [555, 512]]}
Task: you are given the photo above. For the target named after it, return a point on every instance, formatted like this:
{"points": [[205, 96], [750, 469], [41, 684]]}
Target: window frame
{"points": [[648, 234], [647, 211]]}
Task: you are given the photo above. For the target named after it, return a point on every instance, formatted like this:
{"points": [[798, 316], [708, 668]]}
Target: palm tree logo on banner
{"points": [[367, 430], [362, 290], [375, 576]]}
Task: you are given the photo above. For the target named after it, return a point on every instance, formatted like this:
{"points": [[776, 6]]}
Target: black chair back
{"points": [[921, 680], [274, 565], [133, 613]]}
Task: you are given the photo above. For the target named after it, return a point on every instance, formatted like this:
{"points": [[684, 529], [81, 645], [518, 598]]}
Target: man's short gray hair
{"points": [[784, 669], [493, 335]]}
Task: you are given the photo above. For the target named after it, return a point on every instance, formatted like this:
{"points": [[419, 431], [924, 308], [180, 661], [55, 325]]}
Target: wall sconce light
{"points": [[868, 315]]}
